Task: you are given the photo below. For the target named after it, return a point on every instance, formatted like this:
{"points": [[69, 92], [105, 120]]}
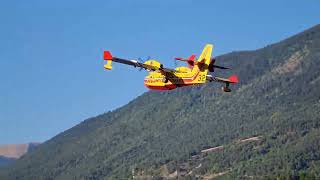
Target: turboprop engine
{"points": [[154, 63]]}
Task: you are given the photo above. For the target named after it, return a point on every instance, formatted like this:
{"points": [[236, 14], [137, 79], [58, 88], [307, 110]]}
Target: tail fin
{"points": [[205, 56], [202, 65]]}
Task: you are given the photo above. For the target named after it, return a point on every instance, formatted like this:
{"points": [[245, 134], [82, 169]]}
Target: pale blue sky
{"points": [[51, 51]]}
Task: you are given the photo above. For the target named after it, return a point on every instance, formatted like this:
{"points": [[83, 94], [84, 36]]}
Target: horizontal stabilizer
{"points": [[191, 58]]}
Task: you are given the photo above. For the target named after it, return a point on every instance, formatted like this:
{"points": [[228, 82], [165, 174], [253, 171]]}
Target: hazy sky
{"points": [[52, 74]]}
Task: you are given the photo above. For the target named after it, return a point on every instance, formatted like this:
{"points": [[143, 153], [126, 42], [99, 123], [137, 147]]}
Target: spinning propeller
{"points": [[143, 60], [212, 66]]}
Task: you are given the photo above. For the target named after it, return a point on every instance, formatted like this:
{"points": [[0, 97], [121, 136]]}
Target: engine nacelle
{"points": [[154, 63]]}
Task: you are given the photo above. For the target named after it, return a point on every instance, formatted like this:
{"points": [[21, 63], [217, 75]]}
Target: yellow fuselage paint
{"points": [[166, 81], [183, 76]]}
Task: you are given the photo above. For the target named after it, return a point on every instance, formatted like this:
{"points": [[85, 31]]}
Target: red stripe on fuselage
{"points": [[162, 88], [166, 87]]}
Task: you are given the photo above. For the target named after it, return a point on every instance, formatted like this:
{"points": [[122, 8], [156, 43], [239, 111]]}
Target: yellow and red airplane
{"points": [[161, 78]]}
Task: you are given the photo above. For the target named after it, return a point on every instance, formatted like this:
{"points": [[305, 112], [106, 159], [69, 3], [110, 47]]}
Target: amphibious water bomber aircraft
{"points": [[162, 78]]}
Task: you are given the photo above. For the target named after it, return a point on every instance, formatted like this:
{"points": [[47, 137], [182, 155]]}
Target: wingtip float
{"points": [[161, 78]]}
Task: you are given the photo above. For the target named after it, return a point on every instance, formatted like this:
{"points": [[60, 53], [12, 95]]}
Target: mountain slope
{"points": [[278, 98], [5, 161], [16, 150], [11, 152]]}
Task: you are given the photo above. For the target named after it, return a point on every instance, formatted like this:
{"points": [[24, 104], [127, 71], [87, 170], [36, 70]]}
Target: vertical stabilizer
{"points": [[205, 56], [202, 64]]}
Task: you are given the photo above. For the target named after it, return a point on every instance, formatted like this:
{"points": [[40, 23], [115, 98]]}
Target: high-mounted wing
{"points": [[150, 65], [232, 79]]}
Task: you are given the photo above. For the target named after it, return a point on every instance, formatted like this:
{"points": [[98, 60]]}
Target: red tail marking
{"points": [[192, 57], [107, 55], [233, 79]]}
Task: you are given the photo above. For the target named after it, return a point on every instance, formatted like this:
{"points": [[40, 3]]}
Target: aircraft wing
{"points": [[168, 70], [231, 79], [147, 66]]}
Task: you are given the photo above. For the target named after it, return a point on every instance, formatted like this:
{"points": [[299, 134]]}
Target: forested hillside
{"points": [[277, 99], [11, 152], [5, 161]]}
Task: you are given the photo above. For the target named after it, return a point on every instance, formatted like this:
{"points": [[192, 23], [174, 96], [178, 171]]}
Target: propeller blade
{"points": [[220, 67]]}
